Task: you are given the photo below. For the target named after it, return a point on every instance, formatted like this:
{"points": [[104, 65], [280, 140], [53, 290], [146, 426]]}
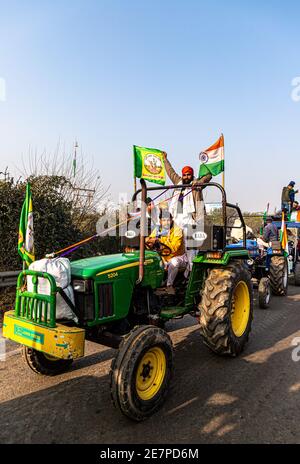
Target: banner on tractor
{"points": [[295, 216], [212, 159], [26, 240], [149, 164]]}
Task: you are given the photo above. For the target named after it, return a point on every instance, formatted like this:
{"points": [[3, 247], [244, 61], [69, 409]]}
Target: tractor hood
{"points": [[89, 267]]}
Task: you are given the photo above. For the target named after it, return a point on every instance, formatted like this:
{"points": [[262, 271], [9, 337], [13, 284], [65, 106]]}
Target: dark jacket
{"points": [[270, 233], [285, 196]]}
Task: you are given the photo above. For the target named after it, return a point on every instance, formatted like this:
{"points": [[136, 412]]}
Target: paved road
{"points": [[252, 399]]}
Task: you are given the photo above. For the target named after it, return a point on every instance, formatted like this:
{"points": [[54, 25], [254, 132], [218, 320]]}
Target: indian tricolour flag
{"points": [[212, 159], [284, 237]]}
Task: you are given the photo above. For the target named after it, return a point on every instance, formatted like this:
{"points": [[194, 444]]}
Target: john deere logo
{"points": [[199, 236], [29, 334], [153, 163]]}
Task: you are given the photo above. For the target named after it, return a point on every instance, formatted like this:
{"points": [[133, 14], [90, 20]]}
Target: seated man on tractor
{"points": [[270, 232], [168, 239]]}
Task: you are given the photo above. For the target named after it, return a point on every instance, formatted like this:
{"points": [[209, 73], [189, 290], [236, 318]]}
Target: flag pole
{"points": [[223, 173], [134, 170]]}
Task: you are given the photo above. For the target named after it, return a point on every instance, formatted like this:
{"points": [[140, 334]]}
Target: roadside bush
{"points": [[58, 222]]}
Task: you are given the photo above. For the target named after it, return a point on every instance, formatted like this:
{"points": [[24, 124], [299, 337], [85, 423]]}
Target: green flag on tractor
{"points": [[149, 164], [26, 240]]}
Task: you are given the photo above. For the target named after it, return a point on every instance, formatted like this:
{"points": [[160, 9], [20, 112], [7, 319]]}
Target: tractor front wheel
{"points": [[44, 364], [264, 293], [279, 275], [226, 309], [141, 372]]}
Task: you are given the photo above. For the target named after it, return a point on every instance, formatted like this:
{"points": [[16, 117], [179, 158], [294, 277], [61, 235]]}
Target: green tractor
{"points": [[119, 303]]}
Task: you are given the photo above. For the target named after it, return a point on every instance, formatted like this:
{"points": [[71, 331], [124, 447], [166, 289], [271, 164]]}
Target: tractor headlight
{"points": [[250, 262], [79, 286], [82, 286]]}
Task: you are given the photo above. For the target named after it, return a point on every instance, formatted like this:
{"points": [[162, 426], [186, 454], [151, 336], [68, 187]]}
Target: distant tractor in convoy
{"points": [[293, 259], [269, 270], [119, 302]]}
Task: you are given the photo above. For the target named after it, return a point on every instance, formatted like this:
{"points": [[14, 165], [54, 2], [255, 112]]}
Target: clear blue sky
{"points": [[166, 74]]}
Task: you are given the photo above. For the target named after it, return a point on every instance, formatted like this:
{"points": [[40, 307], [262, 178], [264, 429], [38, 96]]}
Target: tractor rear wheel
{"points": [[279, 275], [264, 293], [297, 274], [226, 309], [141, 372], [44, 364]]}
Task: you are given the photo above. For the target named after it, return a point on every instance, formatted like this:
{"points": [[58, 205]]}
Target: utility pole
{"points": [[81, 192], [5, 174], [75, 158]]}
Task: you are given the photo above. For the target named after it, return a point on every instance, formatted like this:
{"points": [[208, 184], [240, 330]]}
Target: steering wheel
{"points": [[161, 248]]}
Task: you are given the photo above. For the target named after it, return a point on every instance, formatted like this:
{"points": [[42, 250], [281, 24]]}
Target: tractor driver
{"points": [[168, 238], [270, 232]]}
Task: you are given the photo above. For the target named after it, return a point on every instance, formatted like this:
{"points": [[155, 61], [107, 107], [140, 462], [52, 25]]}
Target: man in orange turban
{"points": [[187, 206]]}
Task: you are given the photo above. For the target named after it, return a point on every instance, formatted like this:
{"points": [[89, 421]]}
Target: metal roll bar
{"points": [[198, 187]]}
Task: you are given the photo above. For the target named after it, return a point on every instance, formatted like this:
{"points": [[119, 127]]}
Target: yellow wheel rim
{"points": [[240, 312], [150, 373]]}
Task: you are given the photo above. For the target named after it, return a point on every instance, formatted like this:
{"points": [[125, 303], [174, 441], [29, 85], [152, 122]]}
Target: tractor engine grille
{"points": [[105, 300], [85, 306]]}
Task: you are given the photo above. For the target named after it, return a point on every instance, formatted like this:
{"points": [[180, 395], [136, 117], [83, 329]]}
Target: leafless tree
{"points": [[81, 184]]}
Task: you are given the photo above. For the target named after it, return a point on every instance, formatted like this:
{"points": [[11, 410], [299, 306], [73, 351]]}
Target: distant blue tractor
{"points": [[269, 270]]}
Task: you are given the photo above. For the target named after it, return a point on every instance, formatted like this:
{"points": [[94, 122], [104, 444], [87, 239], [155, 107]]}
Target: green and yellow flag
{"points": [[149, 164], [26, 240]]}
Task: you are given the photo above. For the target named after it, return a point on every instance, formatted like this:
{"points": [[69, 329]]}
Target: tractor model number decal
{"points": [[112, 275], [28, 334]]}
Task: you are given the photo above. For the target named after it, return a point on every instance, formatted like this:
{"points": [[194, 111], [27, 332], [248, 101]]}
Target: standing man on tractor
{"points": [[288, 197], [186, 207]]}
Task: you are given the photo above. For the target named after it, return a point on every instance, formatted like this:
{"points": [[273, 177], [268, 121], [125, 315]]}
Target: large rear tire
{"points": [[279, 275], [141, 373], [297, 274], [44, 364], [226, 309]]}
